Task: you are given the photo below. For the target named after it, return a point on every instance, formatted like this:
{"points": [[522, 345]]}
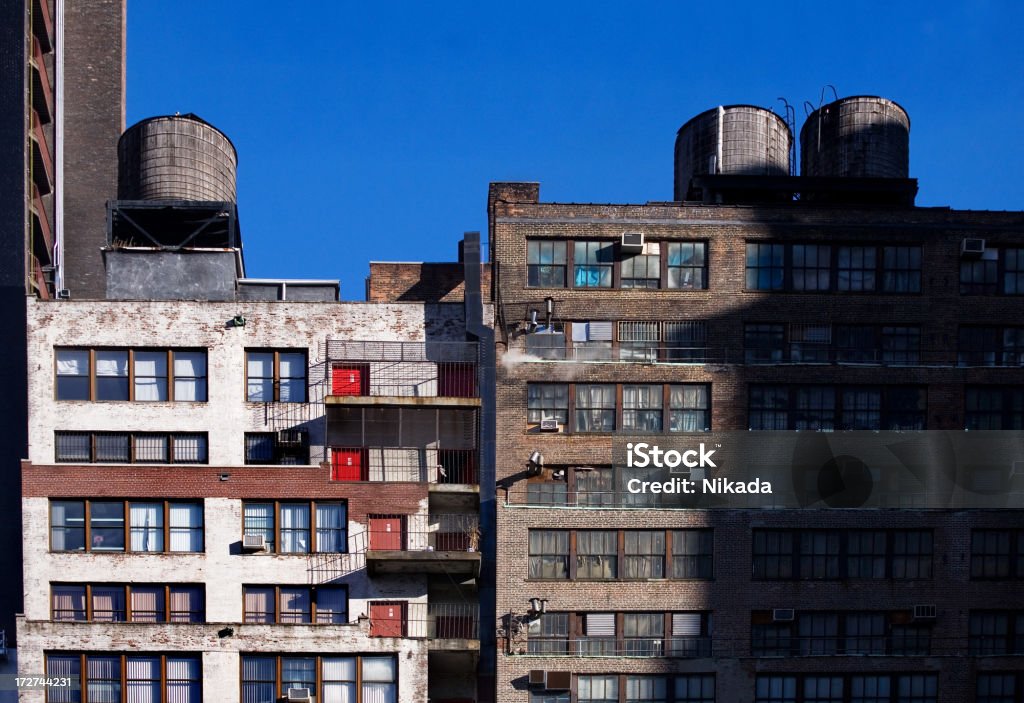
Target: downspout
{"points": [[58, 186], [477, 331]]}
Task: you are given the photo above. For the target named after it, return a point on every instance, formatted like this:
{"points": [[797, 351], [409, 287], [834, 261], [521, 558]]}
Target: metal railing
{"points": [[406, 369], [446, 532], [417, 464], [435, 621]]}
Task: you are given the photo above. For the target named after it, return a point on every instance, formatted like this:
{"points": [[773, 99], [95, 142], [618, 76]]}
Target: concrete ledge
{"points": [[402, 400]]}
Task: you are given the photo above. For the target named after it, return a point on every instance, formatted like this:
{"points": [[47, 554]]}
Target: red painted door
{"points": [[348, 464], [456, 380], [350, 379], [387, 619], [386, 533]]}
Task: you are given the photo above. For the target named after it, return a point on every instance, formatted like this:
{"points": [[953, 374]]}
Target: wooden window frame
{"points": [[169, 353], [123, 657], [133, 448], [127, 503], [312, 592], [280, 693], [312, 505], [276, 382], [129, 611]]}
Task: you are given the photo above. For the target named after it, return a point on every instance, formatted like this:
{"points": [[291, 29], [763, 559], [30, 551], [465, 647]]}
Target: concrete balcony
{"points": [[422, 544]]}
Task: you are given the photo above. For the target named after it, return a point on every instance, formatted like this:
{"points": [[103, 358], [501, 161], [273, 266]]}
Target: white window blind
{"points": [[600, 624], [685, 624], [592, 331]]}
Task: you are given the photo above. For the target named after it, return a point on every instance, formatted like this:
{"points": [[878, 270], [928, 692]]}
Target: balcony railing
{"points": [[448, 532], [386, 464], [433, 621], [402, 369]]}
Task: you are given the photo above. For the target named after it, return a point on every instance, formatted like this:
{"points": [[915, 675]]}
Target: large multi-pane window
{"points": [[132, 603], [545, 263], [642, 554], [131, 374], [597, 554], [825, 408], [1013, 271], [549, 554], [689, 407], [593, 262], [595, 407], [547, 342], [811, 266], [991, 346], [999, 687], [641, 407], [901, 269], [130, 447], [692, 554], [639, 341], [847, 688], [980, 276], [275, 375], [997, 554], [592, 341], [329, 678], [836, 554], [994, 408], [549, 634], [996, 632], [766, 266], [322, 605], [126, 678], [764, 343], [687, 265], [298, 528], [547, 401], [643, 270], [118, 526], [857, 269]]}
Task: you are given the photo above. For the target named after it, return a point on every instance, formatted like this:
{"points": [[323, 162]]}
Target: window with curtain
{"points": [[150, 375], [331, 528], [294, 528], [186, 527], [276, 375], [856, 269], [819, 554], [818, 633], [688, 408], [153, 448], [865, 554], [593, 262], [379, 680], [104, 679], [142, 680], [130, 447], [641, 407], [643, 634], [596, 554], [73, 381], [147, 527], [63, 666], [687, 265], [692, 554], [298, 672], [595, 485], [108, 604], [901, 269], [595, 407], [865, 633], [549, 634], [111, 374], [646, 689], [183, 680], [259, 520], [259, 604], [597, 689], [186, 604], [69, 603], [148, 603], [339, 679], [644, 554], [259, 679], [775, 689], [549, 554], [547, 400], [189, 376], [295, 605]]}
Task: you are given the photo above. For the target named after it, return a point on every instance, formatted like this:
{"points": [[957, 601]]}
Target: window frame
{"points": [[312, 594], [280, 690], [57, 695], [134, 447], [792, 567], [313, 528], [168, 528], [555, 264], [129, 610], [169, 379], [277, 379]]}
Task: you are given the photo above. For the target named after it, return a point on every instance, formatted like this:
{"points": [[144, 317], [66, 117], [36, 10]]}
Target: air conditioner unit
{"points": [[972, 247], [783, 615], [64, 294], [632, 243], [924, 612], [558, 680], [537, 677], [290, 438], [298, 694], [549, 424], [254, 543]]}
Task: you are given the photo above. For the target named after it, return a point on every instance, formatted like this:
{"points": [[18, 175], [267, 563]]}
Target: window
{"points": [[910, 640], [901, 345], [815, 688], [856, 269], [643, 270], [148, 677], [547, 400], [100, 526], [286, 447], [597, 689], [646, 689], [597, 554], [685, 341], [592, 341], [696, 688], [687, 265], [1013, 271], [130, 447], [991, 346], [131, 374], [764, 343], [549, 697], [980, 276], [597, 634], [352, 679], [811, 266], [819, 407], [555, 492], [865, 633], [644, 554], [639, 341], [996, 633], [775, 689], [592, 264], [692, 554], [545, 263], [997, 554], [901, 269], [810, 344], [766, 266], [595, 486], [994, 408], [834, 554], [595, 407], [998, 687], [547, 342], [641, 408], [131, 603], [323, 605], [689, 408], [298, 528], [549, 554], [643, 634], [549, 634], [278, 375]]}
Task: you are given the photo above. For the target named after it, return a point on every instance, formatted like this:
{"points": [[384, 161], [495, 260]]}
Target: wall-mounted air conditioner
{"points": [[298, 694], [548, 424], [924, 612], [254, 543], [783, 615], [537, 677], [972, 247], [290, 438], [632, 243]]}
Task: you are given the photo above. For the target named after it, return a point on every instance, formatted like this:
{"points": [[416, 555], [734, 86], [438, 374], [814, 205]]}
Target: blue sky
{"points": [[369, 131]]}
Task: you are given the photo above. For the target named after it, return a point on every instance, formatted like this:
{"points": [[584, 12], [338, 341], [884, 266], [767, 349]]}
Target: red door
{"points": [[348, 464], [387, 619], [350, 379], [386, 533], [456, 380]]}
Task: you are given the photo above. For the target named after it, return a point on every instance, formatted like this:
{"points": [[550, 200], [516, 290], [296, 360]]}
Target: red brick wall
{"points": [[420, 282]]}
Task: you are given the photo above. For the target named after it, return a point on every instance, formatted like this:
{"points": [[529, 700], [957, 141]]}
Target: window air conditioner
{"points": [[254, 543], [783, 615], [924, 612], [632, 243], [559, 680], [298, 694], [290, 438], [972, 247], [537, 677], [549, 424], [64, 294]]}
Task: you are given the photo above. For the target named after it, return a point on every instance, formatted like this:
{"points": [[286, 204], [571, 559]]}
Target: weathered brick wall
{"points": [[516, 214], [394, 282]]}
